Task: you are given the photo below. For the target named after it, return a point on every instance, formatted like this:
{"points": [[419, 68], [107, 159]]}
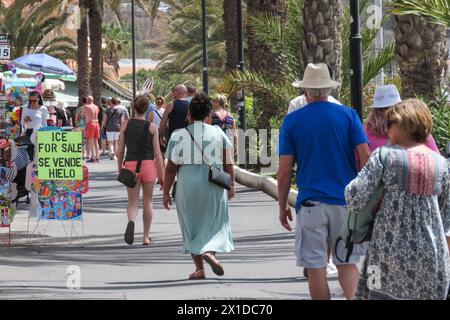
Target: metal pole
{"points": [[205, 50], [241, 64], [133, 46], [356, 59]]}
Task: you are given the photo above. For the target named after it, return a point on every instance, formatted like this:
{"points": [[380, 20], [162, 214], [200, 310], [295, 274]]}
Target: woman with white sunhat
{"points": [[376, 125]]}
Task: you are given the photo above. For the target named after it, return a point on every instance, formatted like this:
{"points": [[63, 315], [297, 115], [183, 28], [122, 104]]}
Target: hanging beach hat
{"points": [[49, 95], [386, 96]]}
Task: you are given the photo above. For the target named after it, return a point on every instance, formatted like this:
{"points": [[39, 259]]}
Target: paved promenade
{"points": [[261, 267]]}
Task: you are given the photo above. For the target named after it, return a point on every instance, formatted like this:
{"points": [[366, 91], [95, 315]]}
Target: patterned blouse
{"points": [[408, 252]]}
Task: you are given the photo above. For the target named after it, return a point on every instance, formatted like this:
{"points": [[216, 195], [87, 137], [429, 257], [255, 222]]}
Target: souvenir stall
{"points": [[9, 132]]}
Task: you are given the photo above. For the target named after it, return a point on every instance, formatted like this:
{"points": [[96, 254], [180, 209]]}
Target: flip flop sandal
{"points": [[129, 233], [197, 275], [147, 244], [214, 263]]}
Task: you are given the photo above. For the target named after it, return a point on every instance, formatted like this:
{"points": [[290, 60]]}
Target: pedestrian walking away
{"points": [[90, 112], [140, 138], [203, 211], [408, 249], [376, 124], [224, 120], [111, 123], [321, 178], [175, 115]]}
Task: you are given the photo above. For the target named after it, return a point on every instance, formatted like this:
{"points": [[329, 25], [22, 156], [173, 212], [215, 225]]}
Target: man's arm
{"points": [[284, 187], [363, 154], [163, 124]]}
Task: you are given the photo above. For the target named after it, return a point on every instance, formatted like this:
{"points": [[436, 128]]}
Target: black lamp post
{"points": [[133, 48], [205, 50], [241, 64], [356, 62]]}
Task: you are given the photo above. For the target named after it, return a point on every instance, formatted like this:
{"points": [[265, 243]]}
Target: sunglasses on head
{"points": [[390, 123]]}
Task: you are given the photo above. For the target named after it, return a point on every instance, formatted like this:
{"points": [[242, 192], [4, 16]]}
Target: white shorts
{"points": [[112, 136], [317, 229]]}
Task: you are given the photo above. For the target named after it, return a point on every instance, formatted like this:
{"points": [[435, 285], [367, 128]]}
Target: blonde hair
{"points": [[377, 122], [413, 117], [222, 100]]}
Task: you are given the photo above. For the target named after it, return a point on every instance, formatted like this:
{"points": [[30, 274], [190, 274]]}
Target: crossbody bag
{"points": [[357, 226], [215, 175], [128, 177]]}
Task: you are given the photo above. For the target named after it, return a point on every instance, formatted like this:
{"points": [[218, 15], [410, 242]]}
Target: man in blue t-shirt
{"points": [[321, 139]]}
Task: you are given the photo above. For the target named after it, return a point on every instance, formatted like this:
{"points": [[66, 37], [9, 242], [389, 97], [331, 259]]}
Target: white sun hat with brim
{"points": [[386, 96], [316, 76]]}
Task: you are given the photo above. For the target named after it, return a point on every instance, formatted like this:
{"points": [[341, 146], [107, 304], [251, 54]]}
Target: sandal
{"points": [[129, 233], [148, 243], [214, 263], [197, 275]]}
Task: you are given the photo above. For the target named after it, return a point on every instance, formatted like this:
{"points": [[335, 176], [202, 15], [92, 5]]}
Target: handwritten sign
{"points": [[60, 155]]}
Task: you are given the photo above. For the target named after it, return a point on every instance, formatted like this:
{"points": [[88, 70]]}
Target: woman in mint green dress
{"points": [[202, 206]]}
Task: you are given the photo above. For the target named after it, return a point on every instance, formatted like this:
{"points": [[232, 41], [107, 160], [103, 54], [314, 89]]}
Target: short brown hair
{"points": [[140, 104], [413, 117], [115, 101]]}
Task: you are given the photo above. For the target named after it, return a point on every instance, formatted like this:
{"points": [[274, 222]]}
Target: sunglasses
{"points": [[390, 123], [33, 100]]}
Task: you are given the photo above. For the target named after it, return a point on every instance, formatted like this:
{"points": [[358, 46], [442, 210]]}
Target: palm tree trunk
{"points": [[230, 22], [420, 54], [82, 56], [322, 42], [262, 59], [95, 35]]}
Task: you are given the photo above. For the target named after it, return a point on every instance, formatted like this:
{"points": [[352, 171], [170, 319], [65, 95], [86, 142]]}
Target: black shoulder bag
{"points": [[128, 177], [216, 176]]}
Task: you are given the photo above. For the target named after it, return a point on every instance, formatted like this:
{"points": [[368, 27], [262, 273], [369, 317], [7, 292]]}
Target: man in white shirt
{"points": [[300, 102]]}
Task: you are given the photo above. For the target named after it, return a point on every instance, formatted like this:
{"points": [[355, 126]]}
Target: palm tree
{"points": [[230, 25], [322, 30], [420, 55], [83, 56], [95, 13], [117, 43], [420, 44], [280, 37], [184, 51], [262, 58], [30, 22]]}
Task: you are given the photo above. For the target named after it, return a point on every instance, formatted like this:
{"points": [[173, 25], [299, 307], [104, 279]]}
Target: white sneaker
{"points": [[331, 268]]}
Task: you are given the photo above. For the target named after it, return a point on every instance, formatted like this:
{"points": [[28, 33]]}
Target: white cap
{"points": [[386, 96]]}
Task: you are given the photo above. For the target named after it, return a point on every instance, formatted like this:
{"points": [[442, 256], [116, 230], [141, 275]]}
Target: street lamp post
{"points": [[356, 59], [133, 48], [241, 64], [205, 50]]}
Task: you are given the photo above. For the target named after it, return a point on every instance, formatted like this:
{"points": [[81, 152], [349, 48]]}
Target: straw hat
{"points": [[386, 96], [48, 95], [316, 76]]}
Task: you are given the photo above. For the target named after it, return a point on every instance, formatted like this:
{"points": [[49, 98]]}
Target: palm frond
{"points": [[437, 11], [256, 82]]}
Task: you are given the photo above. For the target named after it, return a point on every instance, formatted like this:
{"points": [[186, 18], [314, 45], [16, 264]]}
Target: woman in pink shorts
{"points": [[142, 143]]}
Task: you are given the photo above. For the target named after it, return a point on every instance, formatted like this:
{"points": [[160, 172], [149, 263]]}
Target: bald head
{"points": [[179, 91], [90, 100]]}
